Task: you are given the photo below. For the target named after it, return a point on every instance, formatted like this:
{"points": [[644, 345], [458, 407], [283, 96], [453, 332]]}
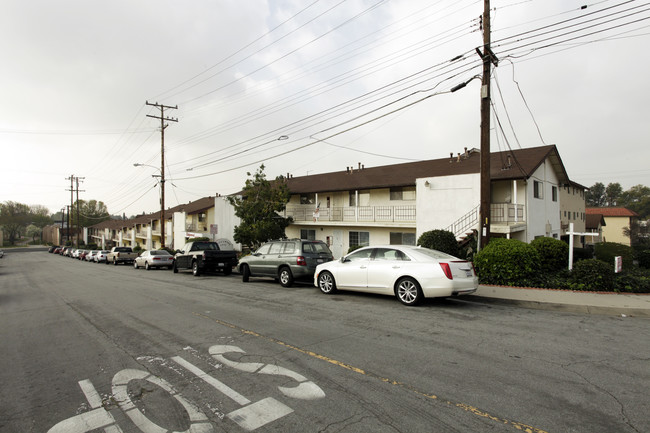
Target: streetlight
{"points": [[162, 200]]}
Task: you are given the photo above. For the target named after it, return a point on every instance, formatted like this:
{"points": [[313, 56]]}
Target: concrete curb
{"points": [[605, 303]]}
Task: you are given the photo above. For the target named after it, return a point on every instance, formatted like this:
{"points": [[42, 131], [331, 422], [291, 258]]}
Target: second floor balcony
{"points": [[370, 214]]}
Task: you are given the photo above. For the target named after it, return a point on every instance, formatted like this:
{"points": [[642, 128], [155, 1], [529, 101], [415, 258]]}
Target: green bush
{"points": [[554, 253], [633, 281], [643, 258], [606, 251], [354, 247], [441, 240], [583, 253], [593, 275], [507, 262]]}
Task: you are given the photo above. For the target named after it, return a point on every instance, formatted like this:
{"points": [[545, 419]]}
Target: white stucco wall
{"points": [[543, 214], [442, 200], [226, 220]]}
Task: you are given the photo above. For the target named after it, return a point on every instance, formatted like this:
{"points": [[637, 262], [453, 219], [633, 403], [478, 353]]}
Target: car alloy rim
{"points": [[407, 291], [325, 283], [284, 277]]}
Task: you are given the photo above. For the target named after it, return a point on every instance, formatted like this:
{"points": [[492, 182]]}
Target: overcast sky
{"points": [[348, 82]]}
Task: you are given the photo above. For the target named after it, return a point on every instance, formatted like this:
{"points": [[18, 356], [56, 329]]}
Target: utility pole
{"points": [[162, 162], [78, 224], [488, 58], [71, 179], [62, 221]]}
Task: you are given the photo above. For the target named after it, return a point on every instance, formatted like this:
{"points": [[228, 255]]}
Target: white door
{"points": [[337, 244]]}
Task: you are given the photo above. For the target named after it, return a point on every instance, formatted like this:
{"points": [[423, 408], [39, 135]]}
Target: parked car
{"points": [[90, 255], [2, 254], [100, 256], [52, 248], [410, 273], [154, 259], [82, 254], [68, 251], [205, 256], [285, 260], [123, 255], [57, 250]]}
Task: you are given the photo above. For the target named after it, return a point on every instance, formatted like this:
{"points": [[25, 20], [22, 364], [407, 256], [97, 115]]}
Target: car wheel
{"points": [[135, 264], [408, 291], [286, 277], [245, 273], [114, 262], [174, 268], [195, 268], [326, 283], [147, 266]]}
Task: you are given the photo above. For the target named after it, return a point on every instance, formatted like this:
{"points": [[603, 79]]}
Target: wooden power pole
{"points": [[488, 58], [162, 163]]}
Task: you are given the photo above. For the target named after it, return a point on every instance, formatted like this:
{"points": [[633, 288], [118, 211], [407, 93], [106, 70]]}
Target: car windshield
{"points": [[159, 253]]}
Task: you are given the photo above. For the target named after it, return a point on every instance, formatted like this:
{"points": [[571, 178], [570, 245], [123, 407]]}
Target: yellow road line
{"points": [[467, 408]]}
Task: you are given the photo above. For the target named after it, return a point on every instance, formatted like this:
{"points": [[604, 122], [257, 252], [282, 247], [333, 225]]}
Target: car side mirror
{"points": [[342, 260], [178, 252]]}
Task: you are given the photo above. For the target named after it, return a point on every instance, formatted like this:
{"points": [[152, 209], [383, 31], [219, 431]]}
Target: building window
{"points": [[402, 193], [538, 191], [307, 198], [308, 234], [353, 198], [554, 193], [361, 239], [397, 238]]}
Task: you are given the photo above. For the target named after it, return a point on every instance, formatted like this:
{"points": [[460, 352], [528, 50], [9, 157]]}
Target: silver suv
{"points": [[285, 260]]}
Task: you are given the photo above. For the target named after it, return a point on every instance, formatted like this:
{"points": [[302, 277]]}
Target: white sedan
{"points": [[408, 272], [154, 259]]}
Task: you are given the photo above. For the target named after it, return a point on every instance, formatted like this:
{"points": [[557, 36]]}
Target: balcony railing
{"points": [[201, 227], [353, 214], [507, 213]]}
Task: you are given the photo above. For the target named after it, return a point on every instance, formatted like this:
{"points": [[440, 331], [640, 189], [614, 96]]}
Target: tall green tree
{"points": [[91, 212], [14, 217], [637, 198], [613, 192], [596, 195], [259, 207], [40, 216]]}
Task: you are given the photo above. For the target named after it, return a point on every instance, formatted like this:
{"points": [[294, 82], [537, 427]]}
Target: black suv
{"points": [[285, 260]]}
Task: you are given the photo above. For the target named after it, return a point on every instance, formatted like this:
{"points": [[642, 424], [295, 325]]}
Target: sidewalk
{"points": [[613, 304]]}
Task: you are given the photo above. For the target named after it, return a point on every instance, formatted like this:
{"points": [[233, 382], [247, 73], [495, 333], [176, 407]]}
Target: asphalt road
{"points": [[89, 347]]}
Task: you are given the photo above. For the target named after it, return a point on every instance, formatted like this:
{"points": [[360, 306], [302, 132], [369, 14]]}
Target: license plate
{"points": [[320, 260], [468, 273], [220, 264]]}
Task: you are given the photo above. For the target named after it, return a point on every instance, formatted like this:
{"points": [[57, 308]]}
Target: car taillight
{"points": [[447, 270], [300, 261], [156, 258]]}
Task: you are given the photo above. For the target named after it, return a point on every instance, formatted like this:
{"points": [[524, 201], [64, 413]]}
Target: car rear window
{"points": [[434, 254], [315, 247]]}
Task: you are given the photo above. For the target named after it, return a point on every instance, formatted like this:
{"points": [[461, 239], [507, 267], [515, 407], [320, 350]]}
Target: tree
{"points": [[40, 216], [596, 195], [91, 212], [14, 217], [637, 199], [613, 193], [258, 207], [34, 232]]}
